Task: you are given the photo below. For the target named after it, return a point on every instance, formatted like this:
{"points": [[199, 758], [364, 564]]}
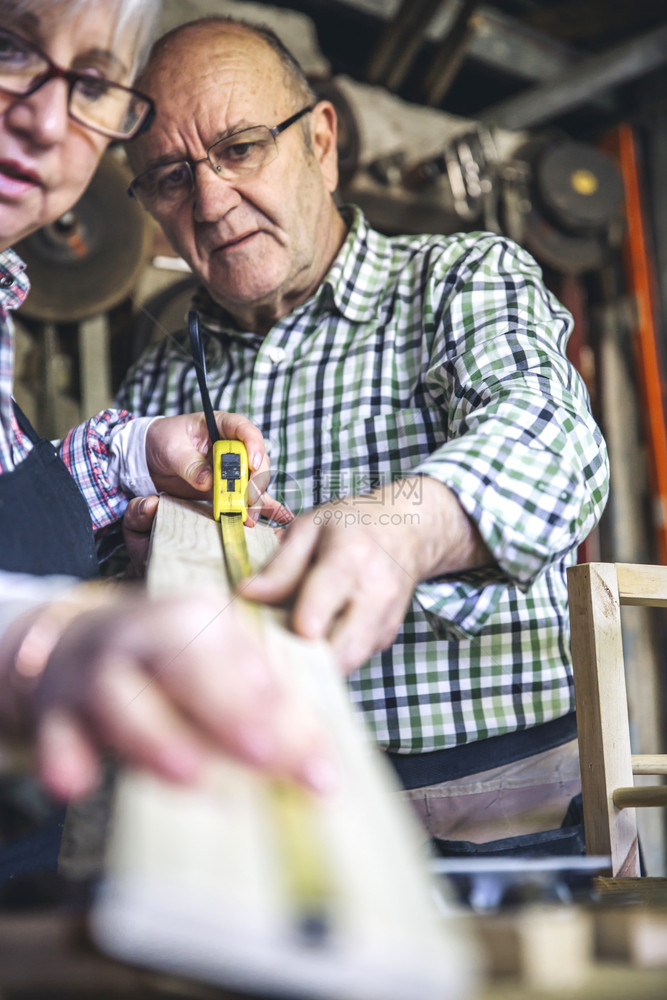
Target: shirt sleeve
{"points": [[87, 452], [106, 457], [127, 463], [523, 454]]}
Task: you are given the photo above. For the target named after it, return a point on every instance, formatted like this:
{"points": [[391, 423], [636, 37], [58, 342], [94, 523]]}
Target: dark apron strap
{"points": [[24, 423], [417, 770], [45, 528], [45, 524]]}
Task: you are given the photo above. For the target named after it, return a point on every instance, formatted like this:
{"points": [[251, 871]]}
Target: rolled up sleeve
{"points": [[523, 453]]}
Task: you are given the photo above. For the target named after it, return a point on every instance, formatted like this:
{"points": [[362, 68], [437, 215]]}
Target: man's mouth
{"points": [[236, 242]]}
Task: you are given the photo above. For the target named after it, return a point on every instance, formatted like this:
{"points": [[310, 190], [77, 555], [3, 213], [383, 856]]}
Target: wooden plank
{"points": [[636, 934], [638, 797], [528, 942], [602, 717], [642, 585], [649, 763], [195, 883], [47, 954], [628, 891]]}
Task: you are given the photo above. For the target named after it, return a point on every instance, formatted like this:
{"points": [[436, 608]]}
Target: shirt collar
{"points": [[352, 280], [217, 320], [14, 283]]}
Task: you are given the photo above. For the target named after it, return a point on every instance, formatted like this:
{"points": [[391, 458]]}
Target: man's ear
{"points": [[325, 142]]}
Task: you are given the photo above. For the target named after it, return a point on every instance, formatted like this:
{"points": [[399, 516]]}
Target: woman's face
{"points": [[46, 158]]}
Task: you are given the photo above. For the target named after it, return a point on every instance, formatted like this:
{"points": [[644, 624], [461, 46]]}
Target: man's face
{"points": [[263, 242]]}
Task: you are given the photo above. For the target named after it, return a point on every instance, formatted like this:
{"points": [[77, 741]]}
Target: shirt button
{"points": [[277, 354], [6, 281]]}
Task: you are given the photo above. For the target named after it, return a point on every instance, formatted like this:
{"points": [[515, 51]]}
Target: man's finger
{"points": [[322, 597], [257, 485], [133, 717], [282, 576], [271, 508], [235, 427], [356, 635], [140, 514]]}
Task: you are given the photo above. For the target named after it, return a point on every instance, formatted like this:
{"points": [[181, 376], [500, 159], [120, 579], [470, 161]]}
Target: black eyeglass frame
{"points": [[56, 72], [191, 164]]}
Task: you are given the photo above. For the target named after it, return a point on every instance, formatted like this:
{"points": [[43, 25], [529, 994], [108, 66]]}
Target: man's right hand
{"points": [[348, 569]]}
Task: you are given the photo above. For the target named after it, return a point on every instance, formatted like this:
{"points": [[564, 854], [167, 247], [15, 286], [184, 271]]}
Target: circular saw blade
{"points": [[89, 259]]}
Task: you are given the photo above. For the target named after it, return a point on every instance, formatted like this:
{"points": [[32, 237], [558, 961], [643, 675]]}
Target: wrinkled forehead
{"points": [[207, 84], [208, 57]]}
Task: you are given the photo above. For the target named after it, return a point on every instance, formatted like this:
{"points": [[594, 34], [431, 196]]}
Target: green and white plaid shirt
{"points": [[440, 355]]}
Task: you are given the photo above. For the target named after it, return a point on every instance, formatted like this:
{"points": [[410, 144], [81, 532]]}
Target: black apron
{"points": [[45, 528], [45, 524]]}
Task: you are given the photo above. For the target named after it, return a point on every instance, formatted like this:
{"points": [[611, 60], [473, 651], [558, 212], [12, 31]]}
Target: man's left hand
{"points": [[178, 452], [178, 457]]}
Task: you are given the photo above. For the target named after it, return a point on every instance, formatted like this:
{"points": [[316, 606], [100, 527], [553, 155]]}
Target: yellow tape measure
{"points": [[304, 865], [230, 504], [230, 479]]}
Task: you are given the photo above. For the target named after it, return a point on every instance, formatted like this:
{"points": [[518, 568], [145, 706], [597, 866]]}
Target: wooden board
{"points": [[602, 715], [642, 585], [195, 883]]}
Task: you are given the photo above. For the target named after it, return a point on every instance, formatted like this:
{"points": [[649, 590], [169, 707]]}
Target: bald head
{"points": [[206, 29], [260, 239]]}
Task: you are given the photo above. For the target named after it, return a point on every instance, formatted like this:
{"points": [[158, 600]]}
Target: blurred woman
{"points": [[71, 653]]}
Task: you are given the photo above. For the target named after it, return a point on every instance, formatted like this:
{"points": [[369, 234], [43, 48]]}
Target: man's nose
{"points": [[43, 114], [214, 196]]}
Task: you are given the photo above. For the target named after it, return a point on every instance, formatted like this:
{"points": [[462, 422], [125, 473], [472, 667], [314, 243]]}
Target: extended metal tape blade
{"points": [[305, 865], [235, 548]]}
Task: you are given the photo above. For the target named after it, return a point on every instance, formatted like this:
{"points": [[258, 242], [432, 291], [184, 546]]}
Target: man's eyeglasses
{"points": [[99, 104], [236, 156]]}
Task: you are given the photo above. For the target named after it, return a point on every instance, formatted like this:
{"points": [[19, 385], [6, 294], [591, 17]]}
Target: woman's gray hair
{"points": [[138, 17]]}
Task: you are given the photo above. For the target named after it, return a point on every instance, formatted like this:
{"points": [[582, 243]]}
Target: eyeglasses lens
{"points": [[20, 64], [97, 102], [236, 156], [93, 100], [243, 153]]}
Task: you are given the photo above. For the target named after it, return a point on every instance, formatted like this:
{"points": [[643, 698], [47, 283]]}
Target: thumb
{"points": [[140, 513], [189, 475], [198, 472], [177, 455]]}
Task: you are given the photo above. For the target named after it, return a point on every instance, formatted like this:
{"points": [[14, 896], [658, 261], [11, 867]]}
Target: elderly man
{"points": [[420, 412]]}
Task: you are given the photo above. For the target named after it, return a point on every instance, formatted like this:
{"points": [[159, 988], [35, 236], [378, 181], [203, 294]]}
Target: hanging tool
{"points": [[297, 838]]}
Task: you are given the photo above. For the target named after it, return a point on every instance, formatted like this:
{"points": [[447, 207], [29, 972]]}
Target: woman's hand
{"points": [[166, 684]]}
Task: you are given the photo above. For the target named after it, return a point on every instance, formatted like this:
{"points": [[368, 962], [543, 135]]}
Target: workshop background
{"points": [[545, 120]]}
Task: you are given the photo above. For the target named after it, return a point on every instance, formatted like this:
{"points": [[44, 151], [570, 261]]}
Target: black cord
{"points": [[200, 367]]}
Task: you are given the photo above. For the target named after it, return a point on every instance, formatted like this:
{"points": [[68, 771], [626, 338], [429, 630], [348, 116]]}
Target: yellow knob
{"points": [[584, 182]]}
